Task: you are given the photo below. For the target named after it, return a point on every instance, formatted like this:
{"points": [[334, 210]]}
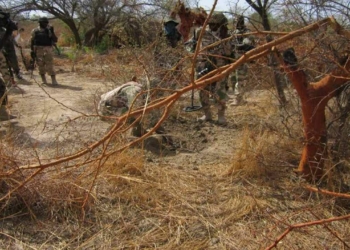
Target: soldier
{"points": [[167, 55], [172, 35], [6, 28], [241, 45], [207, 62], [42, 40], [10, 54]]}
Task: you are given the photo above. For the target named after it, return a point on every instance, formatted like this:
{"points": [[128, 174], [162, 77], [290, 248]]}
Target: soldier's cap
{"points": [[43, 20], [170, 19]]}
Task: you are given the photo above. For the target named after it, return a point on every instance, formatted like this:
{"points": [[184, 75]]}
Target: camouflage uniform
{"points": [[42, 40], [242, 45], [167, 55], [206, 62]]}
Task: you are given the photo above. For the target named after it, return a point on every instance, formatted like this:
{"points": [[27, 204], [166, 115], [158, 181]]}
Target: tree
{"points": [[314, 98], [93, 17], [262, 8]]}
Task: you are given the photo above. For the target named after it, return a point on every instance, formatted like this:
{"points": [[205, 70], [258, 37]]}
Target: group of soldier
{"points": [[42, 40], [117, 101], [221, 54]]}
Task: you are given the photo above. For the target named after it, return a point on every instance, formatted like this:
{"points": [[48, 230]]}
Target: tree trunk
{"points": [[273, 61], [314, 98], [73, 28]]}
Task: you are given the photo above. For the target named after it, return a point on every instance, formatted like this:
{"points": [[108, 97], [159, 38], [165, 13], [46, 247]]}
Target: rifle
{"points": [[57, 49]]}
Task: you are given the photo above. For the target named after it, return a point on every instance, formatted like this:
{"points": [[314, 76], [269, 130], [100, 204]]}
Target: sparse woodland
{"points": [[277, 176]]}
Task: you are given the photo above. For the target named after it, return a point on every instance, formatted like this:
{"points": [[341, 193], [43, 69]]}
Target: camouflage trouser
{"points": [[3, 95], [4, 79], [4, 69], [218, 89], [44, 60], [238, 79]]}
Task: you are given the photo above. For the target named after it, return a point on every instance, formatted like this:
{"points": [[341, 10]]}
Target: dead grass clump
{"points": [[127, 163], [260, 153]]}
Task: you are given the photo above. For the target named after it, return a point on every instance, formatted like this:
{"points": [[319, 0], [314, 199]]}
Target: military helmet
{"points": [[43, 20], [218, 18]]}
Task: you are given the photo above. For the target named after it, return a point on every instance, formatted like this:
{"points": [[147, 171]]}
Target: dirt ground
{"points": [[42, 111], [187, 195]]}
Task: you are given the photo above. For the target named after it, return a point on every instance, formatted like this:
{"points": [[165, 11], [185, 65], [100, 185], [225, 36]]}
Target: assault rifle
{"points": [[57, 49]]}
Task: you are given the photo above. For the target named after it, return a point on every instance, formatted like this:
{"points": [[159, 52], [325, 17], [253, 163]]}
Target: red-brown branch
{"points": [[326, 192], [306, 224]]}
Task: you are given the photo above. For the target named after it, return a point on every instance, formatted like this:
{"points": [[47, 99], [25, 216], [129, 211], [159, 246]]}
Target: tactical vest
{"points": [[222, 49], [42, 37]]}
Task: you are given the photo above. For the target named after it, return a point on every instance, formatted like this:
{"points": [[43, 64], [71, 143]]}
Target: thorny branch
{"points": [[167, 102], [306, 224]]}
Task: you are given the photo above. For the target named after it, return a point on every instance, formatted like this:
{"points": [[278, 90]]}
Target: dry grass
{"points": [[136, 200]]}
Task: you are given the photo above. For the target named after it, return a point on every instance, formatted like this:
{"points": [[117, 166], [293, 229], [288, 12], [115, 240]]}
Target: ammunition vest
{"points": [[42, 37]]}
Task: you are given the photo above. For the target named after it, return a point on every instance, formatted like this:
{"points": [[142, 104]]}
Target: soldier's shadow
{"points": [[24, 82], [11, 129], [61, 86], [16, 90]]}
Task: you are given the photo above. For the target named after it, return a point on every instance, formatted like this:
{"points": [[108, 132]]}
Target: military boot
{"points": [[43, 78], [4, 115], [54, 82], [207, 116], [221, 117]]}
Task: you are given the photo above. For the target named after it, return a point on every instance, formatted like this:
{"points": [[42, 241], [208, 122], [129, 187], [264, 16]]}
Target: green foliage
{"points": [[87, 50], [103, 45]]}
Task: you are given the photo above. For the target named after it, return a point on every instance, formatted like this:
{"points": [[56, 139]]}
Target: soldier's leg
{"points": [[234, 82], [3, 94], [205, 102], [4, 115], [12, 58], [49, 65], [222, 99], [4, 70], [40, 62], [242, 79], [204, 94]]}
